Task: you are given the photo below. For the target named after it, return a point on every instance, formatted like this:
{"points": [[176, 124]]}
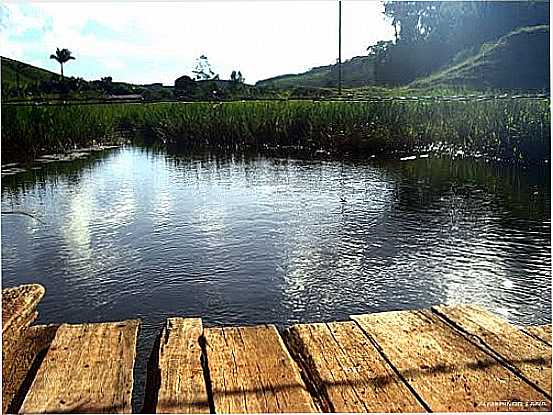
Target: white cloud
{"points": [[160, 41], [114, 64], [18, 22]]}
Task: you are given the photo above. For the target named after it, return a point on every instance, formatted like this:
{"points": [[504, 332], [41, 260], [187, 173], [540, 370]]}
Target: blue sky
{"points": [[157, 42]]}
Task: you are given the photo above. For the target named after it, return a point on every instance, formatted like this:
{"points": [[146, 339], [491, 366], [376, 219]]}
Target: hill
{"points": [[35, 82], [357, 71], [517, 60], [40, 84], [28, 74]]}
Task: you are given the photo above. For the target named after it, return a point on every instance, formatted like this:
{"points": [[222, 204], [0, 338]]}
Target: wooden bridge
{"points": [[445, 359]]}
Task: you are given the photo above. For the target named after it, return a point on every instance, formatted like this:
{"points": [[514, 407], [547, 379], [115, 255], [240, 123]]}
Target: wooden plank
{"points": [[348, 371], [532, 358], [542, 333], [18, 304], [18, 312], [251, 371], [182, 387], [33, 344], [88, 368], [446, 370]]}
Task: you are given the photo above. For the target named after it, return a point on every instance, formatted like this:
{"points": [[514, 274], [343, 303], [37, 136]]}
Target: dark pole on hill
{"points": [[339, 48]]}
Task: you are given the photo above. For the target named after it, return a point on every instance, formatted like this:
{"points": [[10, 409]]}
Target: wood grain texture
{"points": [[529, 356], [18, 312], [348, 371], [446, 370], [542, 333], [35, 341], [18, 303], [88, 369], [251, 371], [182, 387]]}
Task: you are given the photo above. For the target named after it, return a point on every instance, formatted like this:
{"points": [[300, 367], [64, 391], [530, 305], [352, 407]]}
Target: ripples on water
{"points": [[240, 240]]}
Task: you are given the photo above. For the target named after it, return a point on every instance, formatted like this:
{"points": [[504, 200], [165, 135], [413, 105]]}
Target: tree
{"points": [[185, 87], [379, 52], [184, 82], [461, 23], [416, 19], [107, 84], [237, 77], [203, 70], [428, 34], [62, 56]]}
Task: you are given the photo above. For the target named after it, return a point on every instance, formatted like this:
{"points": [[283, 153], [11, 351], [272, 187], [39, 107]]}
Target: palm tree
{"points": [[62, 56]]}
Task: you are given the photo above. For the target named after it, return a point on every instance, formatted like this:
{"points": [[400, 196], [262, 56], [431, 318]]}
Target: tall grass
{"points": [[514, 129]]}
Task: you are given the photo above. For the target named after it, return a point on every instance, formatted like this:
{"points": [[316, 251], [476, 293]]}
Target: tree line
{"points": [[430, 34], [205, 84]]}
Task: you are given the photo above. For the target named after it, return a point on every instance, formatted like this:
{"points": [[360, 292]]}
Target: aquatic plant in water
{"points": [[510, 129]]}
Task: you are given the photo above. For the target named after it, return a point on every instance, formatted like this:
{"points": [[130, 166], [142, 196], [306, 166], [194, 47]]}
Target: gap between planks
{"points": [[88, 368], [349, 372], [225, 370], [445, 367], [524, 355], [21, 342], [483, 334], [542, 333], [355, 385], [176, 378]]}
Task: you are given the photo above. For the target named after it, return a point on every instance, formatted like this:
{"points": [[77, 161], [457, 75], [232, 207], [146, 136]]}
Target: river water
{"points": [[138, 233]]}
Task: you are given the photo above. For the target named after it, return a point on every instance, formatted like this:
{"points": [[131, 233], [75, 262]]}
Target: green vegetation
{"points": [[497, 40], [455, 44], [27, 74], [187, 89], [23, 82], [429, 35], [508, 63], [62, 56], [357, 71], [513, 129], [516, 61], [440, 48]]}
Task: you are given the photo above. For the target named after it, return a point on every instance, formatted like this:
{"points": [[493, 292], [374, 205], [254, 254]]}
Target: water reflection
{"points": [[314, 239], [243, 240]]}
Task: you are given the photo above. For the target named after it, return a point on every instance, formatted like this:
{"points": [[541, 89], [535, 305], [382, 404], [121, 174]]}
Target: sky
{"points": [[142, 42]]}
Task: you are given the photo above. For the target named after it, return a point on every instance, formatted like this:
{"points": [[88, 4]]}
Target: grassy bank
{"points": [[513, 129]]}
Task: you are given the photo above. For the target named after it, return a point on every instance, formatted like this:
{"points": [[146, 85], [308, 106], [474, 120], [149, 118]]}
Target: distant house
{"points": [[129, 97]]}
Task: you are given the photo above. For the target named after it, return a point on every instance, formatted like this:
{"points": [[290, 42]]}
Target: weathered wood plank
{"points": [[18, 312], [33, 343], [531, 357], [88, 368], [182, 387], [251, 371], [542, 333], [446, 370], [19, 303], [348, 371]]}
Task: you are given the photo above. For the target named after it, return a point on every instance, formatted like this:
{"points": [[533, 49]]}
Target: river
{"points": [[236, 239]]}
